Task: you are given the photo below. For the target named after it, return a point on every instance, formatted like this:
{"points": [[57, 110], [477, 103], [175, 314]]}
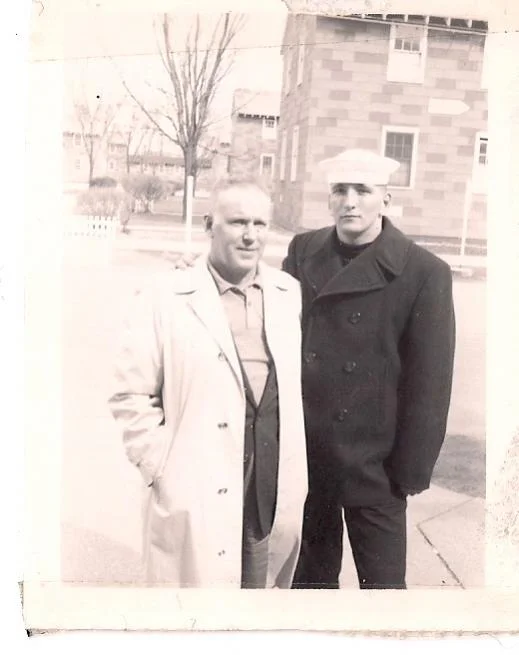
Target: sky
{"points": [[101, 48]]}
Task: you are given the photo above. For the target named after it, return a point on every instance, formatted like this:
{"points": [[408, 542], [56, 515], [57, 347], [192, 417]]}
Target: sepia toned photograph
{"points": [[272, 285]]}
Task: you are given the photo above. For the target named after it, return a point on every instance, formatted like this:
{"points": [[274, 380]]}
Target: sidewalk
{"points": [[446, 542], [445, 528]]}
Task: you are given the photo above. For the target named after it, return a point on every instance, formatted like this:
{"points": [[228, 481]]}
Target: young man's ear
{"points": [[387, 199], [208, 223]]}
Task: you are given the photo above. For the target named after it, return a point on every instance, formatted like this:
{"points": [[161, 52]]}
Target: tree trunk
{"points": [[189, 169], [90, 169]]}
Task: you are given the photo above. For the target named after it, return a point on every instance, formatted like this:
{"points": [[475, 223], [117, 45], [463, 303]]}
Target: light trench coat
{"points": [[180, 402]]}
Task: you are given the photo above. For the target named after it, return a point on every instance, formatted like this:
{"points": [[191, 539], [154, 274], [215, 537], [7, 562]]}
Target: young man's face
{"points": [[357, 211], [238, 229]]}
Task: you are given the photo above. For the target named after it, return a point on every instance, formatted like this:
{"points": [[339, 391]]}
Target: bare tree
{"points": [[97, 122], [137, 140], [194, 72]]}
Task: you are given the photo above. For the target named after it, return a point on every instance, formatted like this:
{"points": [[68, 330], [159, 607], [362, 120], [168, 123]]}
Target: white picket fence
{"points": [[95, 227]]}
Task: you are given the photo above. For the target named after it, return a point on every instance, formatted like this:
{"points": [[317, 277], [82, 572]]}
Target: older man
{"points": [[208, 398], [378, 346]]}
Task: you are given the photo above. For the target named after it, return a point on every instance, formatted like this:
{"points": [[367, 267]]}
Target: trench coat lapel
{"points": [[367, 272], [205, 302], [274, 307]]}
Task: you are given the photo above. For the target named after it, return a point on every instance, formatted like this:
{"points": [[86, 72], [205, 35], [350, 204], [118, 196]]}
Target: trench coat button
{"points": [[222, 491], [223, 425], [310, 357], [349, 367], [354, 318], [221, 356], [341, 415]]}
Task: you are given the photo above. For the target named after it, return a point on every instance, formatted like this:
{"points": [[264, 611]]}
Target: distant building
{"points": [[412, 87], [255, 117], [115, 157], [171, 168], [109, 158]]}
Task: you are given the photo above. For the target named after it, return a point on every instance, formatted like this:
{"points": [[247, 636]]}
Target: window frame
{"points": [[294, 153], [262, 158], [403, 129], [477, 180], [269, 133], [391, 75], [287, 70], [283, 156], [300, 63]]}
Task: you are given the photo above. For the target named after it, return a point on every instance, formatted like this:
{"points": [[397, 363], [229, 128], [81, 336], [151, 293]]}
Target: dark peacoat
{"points": [[378, 350]]}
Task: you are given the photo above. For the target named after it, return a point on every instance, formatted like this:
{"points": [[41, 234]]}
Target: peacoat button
{"points": [[349, 367], [223, 425], [310, 357], [354, 318], [341, 415]]}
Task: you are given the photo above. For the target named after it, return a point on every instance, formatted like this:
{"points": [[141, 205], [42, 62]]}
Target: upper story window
{"points": [[269, 129], [77, 139], [283, 155], [407, 51], [287, 69], [300, 62]]}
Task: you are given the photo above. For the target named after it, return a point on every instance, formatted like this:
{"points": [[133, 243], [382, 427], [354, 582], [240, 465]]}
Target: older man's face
{"points": [[357, 211], [239, 228]]}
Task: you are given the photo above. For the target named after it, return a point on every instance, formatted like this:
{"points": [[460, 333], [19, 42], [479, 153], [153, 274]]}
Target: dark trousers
{"points": [[377, 537]]}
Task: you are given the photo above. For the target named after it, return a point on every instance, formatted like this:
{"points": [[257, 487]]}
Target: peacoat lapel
{"points": [[367, 272]]}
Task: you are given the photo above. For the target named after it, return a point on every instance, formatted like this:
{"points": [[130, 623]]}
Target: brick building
{"points": [[412, 87], [254, 128]]}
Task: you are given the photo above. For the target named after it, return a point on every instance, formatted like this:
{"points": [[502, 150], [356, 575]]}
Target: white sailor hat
{"points": [[358, 167]]}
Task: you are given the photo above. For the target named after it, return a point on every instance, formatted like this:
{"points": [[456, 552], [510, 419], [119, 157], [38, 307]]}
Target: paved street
{"points": [[101, 491]]}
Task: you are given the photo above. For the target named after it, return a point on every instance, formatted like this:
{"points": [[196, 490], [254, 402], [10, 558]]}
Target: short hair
{"points": [[232, 181], [236, 182]]}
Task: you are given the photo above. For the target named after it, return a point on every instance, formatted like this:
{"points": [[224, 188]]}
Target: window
{"points": [[287, 69], [300, 62], [295, 148], [269, 129], [407, 50], [77, 139], [77, 164], [400, 143], [479, 170], [111, 165], [267, 166], [283, 155]]}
